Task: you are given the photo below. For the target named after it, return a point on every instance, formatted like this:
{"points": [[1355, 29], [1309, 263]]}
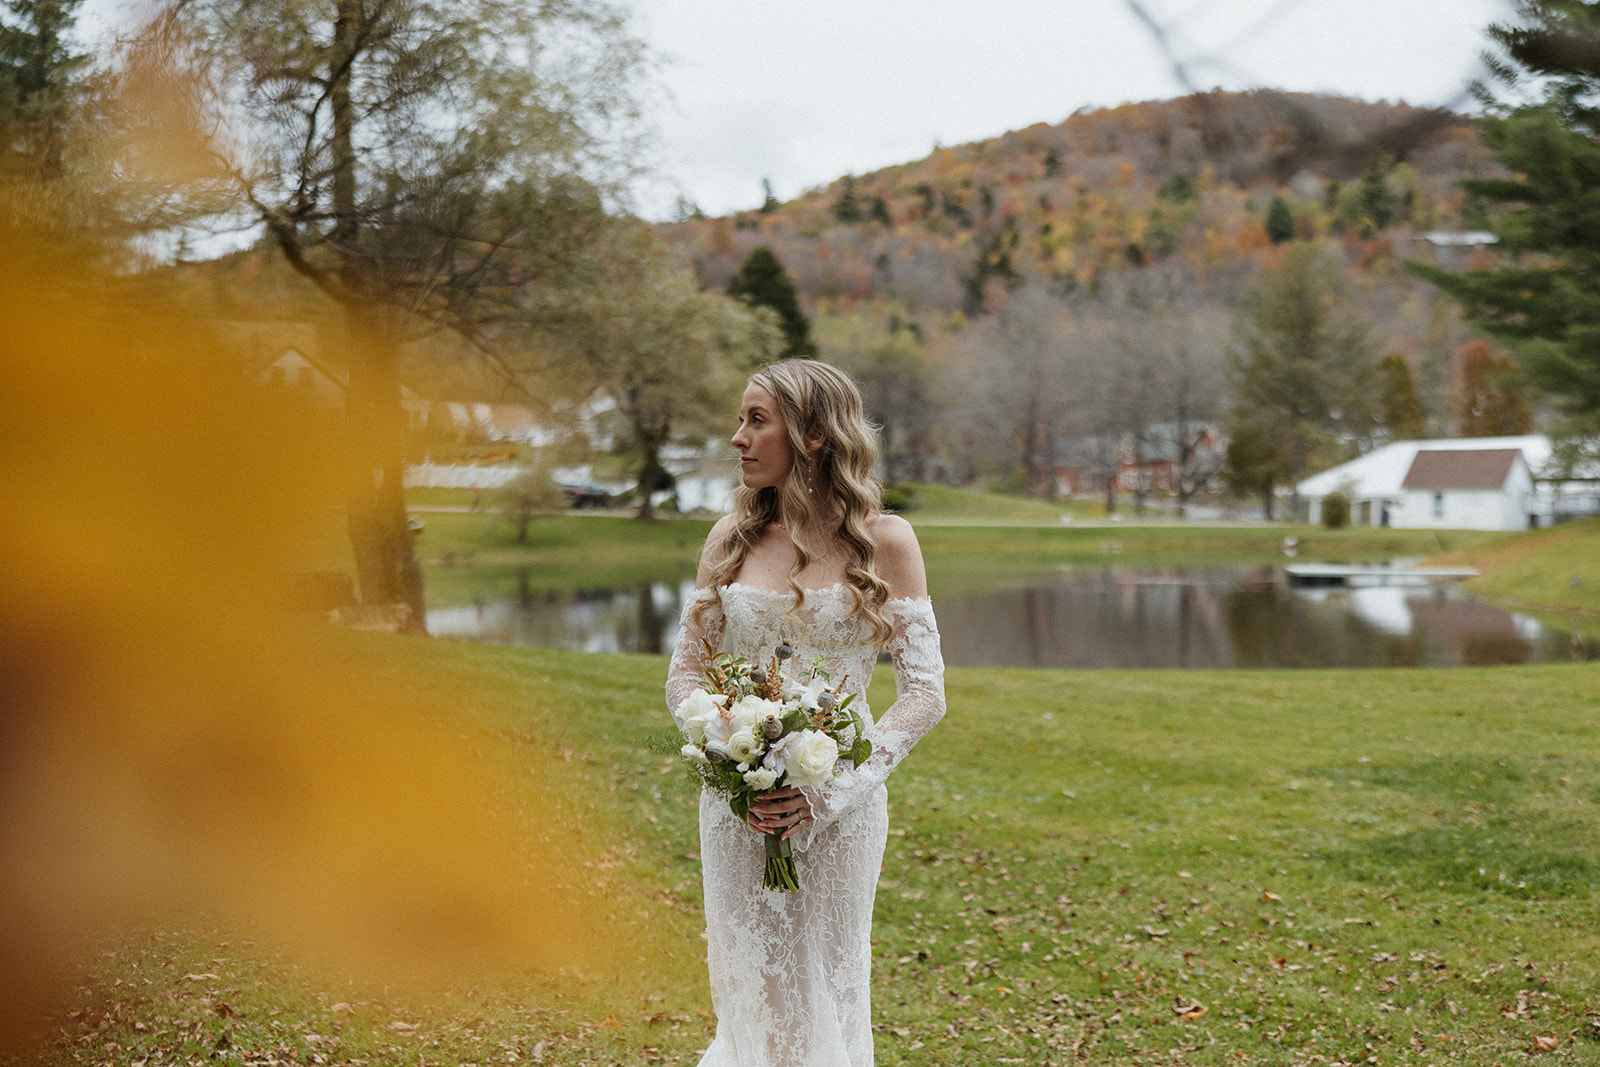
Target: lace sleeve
{"points": [[683, 673], [918, 707]]}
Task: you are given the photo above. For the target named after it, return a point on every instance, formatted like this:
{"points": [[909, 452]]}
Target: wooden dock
{"points": [[1357, 574]]}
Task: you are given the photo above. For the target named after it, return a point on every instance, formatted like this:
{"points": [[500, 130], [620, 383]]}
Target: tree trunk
{"points": [[380, 534], [1111, 478], [1297, 466], [1138, 475], [649, 475]]}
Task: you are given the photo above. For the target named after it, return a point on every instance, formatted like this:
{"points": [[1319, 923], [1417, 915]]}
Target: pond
{"points": [[1094, 617]]}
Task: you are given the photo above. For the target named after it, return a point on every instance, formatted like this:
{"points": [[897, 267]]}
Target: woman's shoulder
{"points": [[715, 549], [892, 532], [899, 561]]}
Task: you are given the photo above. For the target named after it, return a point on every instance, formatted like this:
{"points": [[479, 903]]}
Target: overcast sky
{"points": [[802, 91]]}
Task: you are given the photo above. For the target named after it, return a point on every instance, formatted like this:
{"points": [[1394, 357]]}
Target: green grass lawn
{"points": [[1554, 568], [945, 503], [1310, 867]]}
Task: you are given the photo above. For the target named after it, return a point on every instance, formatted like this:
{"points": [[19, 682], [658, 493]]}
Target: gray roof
{"points": [[1438, 468]]}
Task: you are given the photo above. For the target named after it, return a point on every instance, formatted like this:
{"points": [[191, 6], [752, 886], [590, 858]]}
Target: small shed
{"points": [[1466, 489]]}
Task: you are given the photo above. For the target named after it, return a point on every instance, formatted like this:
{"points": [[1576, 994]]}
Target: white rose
{"points": [[749, 711], [696, 710], [690, 752], [807, 757], [744, 747], [761, 778]]}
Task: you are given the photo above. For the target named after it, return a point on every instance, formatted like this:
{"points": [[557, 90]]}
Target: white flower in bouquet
{"points": [[693, 753], [806, 693], [697, 709], [744, 747], [806, 757], [762, 778], [749, 711]]}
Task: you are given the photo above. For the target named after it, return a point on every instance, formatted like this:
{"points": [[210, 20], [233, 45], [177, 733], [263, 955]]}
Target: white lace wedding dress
{"points": [[791, 972]]}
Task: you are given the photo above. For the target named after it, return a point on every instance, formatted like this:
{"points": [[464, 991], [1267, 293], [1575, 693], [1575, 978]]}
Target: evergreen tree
{"points": [[1052, 162], [1280, 221], [847, 209], [993, 262], [1544, 300], [879, 211], [762, 282], [769, 202], [1302, 369], [1177, 189], [1256, 466], [38, 81], [1376, 200], [1402, 413]]}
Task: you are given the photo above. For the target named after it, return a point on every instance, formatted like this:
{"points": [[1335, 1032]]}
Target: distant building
{"points": [[294, 373], [1157, 464], [1474, 483], [1455, 248]]}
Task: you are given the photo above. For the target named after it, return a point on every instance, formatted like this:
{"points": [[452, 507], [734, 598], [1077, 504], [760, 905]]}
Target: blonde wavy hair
{"points": [[812, 398]]}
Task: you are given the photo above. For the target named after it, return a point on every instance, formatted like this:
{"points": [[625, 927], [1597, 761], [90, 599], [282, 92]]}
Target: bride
{"points": [[808, 557]]}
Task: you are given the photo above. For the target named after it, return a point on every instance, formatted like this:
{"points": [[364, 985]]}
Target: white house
{"points": [[1466, 489], [1473, 483]]}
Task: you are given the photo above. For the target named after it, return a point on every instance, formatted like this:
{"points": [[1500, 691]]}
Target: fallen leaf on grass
{"points": [[1546, 1044], [207, 977], [1188, 1009], [1269, 896], [402, 1028]]}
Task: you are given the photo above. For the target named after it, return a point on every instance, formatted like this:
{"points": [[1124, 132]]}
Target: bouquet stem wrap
{"points": [[781, 874]]}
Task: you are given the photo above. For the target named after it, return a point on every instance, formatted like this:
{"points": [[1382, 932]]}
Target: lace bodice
{"points": [[791, 972]]}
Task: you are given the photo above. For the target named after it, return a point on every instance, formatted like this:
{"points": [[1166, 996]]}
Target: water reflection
{"points": [[1088, 617]]}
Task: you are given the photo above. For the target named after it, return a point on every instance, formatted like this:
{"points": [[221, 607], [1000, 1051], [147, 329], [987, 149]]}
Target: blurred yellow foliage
{"points": [[173, 738]]}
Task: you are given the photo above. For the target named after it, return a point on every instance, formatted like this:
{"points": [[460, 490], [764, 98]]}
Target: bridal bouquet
{"points": [[751, 731]]}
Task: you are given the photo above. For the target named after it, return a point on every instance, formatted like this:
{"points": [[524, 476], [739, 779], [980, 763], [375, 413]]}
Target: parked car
{"points": [[586, 496]]}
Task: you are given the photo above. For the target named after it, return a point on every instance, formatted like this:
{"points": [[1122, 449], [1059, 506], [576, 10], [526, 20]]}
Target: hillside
{"points": [[1187, 179], [1022, 308]]}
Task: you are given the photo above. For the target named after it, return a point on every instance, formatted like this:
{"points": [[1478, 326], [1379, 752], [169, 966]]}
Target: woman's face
{"points": [[765, 455]]}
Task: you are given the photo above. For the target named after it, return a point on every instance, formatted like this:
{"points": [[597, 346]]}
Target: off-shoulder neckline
{"points": [[834, 588]]}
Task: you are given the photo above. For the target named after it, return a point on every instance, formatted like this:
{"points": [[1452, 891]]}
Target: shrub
{"points": [[898, 500], [1335, 510]]}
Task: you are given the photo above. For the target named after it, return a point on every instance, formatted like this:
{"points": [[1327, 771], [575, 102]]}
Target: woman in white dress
{"points": [[806, 556]]}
